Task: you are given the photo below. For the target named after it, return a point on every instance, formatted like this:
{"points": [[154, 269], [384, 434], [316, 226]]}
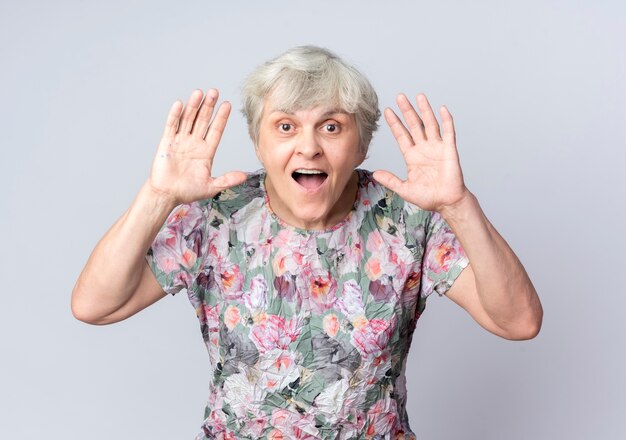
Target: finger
{"points": [[428, 116], [229, 180], [390, 180], [189, 112], [416, 126], [216, 128], [203, 119], [399, 131], [171, 125], [449, 135]]}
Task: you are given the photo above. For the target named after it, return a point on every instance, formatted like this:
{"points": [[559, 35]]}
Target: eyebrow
{"points": [[326, 114], [335, 111]]}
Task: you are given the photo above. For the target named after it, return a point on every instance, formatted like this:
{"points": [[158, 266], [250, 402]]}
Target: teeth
{"points": [[303, 171]]}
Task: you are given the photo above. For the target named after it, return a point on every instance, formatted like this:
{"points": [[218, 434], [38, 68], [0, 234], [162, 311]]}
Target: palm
{"points": [[434, 178], [184, 160], [183, 170]]}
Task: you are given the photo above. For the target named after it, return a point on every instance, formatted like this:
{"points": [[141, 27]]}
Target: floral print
{"points": [[307, 331]]}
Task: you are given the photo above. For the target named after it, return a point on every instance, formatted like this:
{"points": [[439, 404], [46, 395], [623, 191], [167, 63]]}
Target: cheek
{"points": [[275, 157], [350, 157]]}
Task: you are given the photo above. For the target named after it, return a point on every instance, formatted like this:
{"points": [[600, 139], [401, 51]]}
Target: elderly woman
{"points": [[309, 275]]}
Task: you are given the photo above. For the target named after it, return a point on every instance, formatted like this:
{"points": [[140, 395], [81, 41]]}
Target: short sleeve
{"points": [[176, 253], [444, 258]]}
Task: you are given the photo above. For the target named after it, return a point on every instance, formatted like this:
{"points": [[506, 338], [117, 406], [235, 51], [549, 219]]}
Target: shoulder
{"points": [[386, 203], [224, 204], [369, 187], [232, 200]]}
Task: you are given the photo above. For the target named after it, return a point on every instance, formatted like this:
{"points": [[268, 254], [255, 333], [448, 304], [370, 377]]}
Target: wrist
{"points": [[459, 209], [157, 198]]}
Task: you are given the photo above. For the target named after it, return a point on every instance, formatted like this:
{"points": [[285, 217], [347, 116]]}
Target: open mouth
{"points": [[309, 179]]}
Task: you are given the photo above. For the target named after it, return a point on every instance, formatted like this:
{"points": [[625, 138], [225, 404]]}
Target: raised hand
{"points": [[434, 179], [181, 169]]}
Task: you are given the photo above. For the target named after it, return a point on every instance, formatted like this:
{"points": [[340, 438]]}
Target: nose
{"points": [[308, 145]]}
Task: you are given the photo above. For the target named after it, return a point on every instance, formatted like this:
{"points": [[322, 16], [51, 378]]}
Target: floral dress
{"points": [[307, 331]]}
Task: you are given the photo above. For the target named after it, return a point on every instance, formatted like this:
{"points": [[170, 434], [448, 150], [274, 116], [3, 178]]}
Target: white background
{"points": [[536, 89]]}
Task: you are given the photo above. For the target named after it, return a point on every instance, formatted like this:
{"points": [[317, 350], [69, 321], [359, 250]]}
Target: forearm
{"points": [[503, 286], [114, 268]]}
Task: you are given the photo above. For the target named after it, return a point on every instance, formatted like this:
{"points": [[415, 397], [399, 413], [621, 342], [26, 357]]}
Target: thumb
{"points": [[229, 180], [389, 180]]}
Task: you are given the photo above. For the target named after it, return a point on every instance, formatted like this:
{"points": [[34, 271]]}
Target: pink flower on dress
{"points": [[373, 338], [230, 280], [293, 425], [322, 289], [232, 316], [228, 436], [443, 248], [218, 239], [375, 242], [173, 253], [373, 268], [286, 238], [167, 264], [442, 254], [178, 215], [291, 248], [287, 261], [215, 424], [189, 258], [382, 417], [359, 321], [178, 244], [256, 425], [275, 434], [411, 287], [209, 316], [378, 261], [401, 259], [182, 278], [278, 369], [319, 286], [187, 217], [331, 325], [353, 429], [280, 417], [274, 331]]}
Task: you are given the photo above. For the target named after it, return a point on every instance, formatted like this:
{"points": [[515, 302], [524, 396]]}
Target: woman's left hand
{"points": [[434, 179]]}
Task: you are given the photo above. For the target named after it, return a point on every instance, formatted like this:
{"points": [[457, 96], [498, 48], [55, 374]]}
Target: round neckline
{"points": [[285, 225]]}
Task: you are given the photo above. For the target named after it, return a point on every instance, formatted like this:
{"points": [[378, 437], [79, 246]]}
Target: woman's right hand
{"points": [[181, 170]]}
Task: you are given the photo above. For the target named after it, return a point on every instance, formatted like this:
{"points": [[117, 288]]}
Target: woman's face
{"points": [[309, 157]]}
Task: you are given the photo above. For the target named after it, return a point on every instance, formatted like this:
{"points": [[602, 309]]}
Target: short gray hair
{"points": [[307, 76]]}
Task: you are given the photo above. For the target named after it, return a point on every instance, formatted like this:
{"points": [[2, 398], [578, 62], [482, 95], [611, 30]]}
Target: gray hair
{"points": [[305, 77]]}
